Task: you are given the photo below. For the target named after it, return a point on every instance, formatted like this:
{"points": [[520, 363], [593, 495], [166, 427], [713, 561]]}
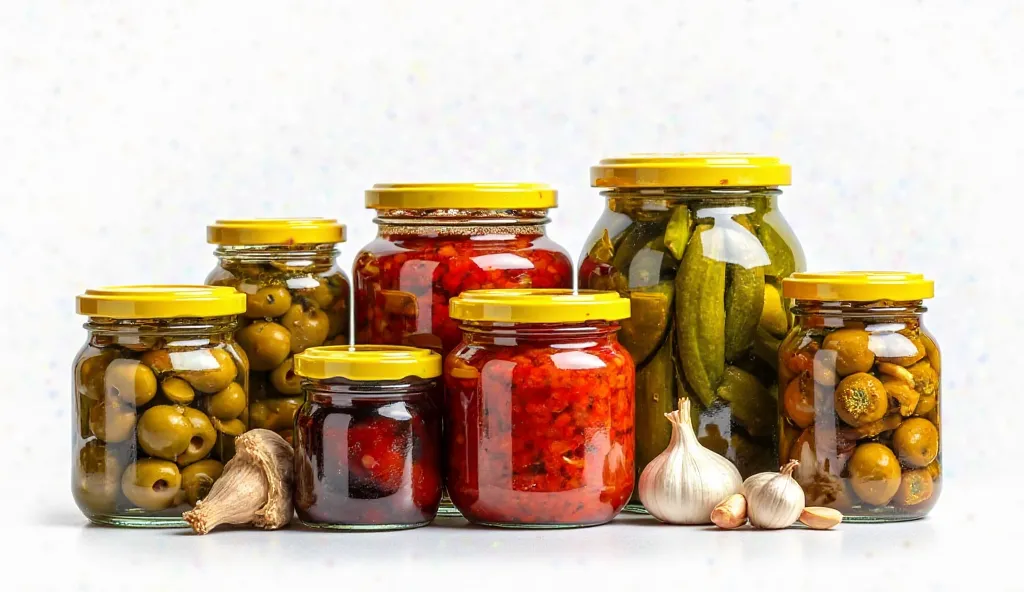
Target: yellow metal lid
{"points": [[690, 170], [161, 302], [538, 306], [467, 196], [275, 231], [858, 286], [367, 362]]}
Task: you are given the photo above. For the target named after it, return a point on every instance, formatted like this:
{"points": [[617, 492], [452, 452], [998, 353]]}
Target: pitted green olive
{"points": [[202, 440], [164, 431], [158, 360], [285, 380], [266, 344], [131, 381], [151, 484], [91, 372], [267, 302], [97, 477], [197, 479]]}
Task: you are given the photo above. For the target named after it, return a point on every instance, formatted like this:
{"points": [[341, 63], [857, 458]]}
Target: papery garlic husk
{"points": [[774, 500], [683, 484]]}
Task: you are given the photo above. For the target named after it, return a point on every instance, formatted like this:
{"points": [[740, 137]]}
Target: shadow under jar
{"points": [[296, 297], [698, 245], [159, 397], [539, 409], [861, 405], [368, 438]]}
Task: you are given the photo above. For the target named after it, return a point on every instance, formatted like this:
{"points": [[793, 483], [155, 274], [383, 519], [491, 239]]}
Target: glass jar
{"points": [[861, 409], [296, 297], [436, 240], [368, 438], [699, 246], [159, 396], [539, 408]]}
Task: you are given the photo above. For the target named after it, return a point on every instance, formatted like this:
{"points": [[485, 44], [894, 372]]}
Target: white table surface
{"points": [[965, 542]]}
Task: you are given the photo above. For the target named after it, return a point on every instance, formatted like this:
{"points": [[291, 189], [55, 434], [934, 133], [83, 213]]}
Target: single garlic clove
{"points": [[731, 513], [820, 518]]}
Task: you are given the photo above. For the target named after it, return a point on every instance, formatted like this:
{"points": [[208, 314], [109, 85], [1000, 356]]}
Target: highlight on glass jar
{"points": [[159, 397], [368, 437], [296, 297], [539, 408], [698, 245], [862, 398], [436, 240]]}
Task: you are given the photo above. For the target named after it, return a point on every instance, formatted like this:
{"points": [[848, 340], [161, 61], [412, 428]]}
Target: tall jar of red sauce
{"points": [[539, 412], [436, 240]]}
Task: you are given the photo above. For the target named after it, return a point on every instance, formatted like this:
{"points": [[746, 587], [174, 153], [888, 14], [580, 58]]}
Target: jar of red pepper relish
{"points": [[435, 241], [539, 408], [368, 437]]}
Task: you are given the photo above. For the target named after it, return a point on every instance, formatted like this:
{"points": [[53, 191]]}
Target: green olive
{"points": [[267, 344], [285, 380], [308, 325], [916, 442], [97, 477], [198, 478], [916, 487], [164, 431], [322, 295], [202, 440], [151, 484], [926, 379], [267, 302], [281, 413], [177, 390], [112, 420], [228, 403], [852, 352], [91, 372], [131, 381], [861, 399], [874, 473], [259, 415], [158, 360], [215, 379]]}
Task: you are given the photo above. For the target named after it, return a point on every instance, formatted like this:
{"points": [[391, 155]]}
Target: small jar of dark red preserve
{"points": [[367, 438], [539, 408]]}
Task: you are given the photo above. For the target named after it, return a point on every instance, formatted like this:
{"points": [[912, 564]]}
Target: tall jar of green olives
{"points": [[296, 298], [159, 397], [698, 245], [861, 399]]}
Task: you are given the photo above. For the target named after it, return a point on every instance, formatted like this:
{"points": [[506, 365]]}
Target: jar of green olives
{"points": [[159, 397], [861, 394], [296, 297]]}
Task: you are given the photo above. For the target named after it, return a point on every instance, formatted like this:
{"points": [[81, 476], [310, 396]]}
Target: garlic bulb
{"points": [[683, 484], [774, 500]]}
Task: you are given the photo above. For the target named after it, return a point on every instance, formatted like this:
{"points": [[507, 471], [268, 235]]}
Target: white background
{"points": [[126, 127]]}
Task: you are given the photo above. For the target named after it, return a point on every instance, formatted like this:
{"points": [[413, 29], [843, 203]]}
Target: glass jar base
{"points": [[636, 508], [447, 510], [139, 521], [362, 527], [880, 519]]}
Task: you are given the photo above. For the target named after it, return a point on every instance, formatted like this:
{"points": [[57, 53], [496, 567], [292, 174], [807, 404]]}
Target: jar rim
{"points": [[160, 302], [367, 362], [275, 231], [725, 169], [539, 306], [858, 286]]}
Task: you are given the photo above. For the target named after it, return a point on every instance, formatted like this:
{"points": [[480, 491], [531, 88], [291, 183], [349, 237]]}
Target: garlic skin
{"points": [[774, 500], [683, 484]]}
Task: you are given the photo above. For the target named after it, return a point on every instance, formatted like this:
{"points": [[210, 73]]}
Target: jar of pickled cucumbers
{"points": [[368, 437], [539, 408], [296, 297], [862, 394], [436, 240], [697, 243], [159, 396]]}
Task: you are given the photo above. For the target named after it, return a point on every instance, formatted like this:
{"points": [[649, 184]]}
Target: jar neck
{"points": [[883, 310], [760, 198], [330, 390], [483, 332], [287, 256], [461, 222], [176, 327]]}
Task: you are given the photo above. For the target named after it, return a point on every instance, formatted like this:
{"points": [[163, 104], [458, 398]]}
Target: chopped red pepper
{"points": [[403, 282], [541, 433]]}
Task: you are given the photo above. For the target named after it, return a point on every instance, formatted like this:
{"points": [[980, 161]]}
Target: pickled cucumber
{"points": [[700, 317], [752, 405], [744, 301], [677, 233], [655, 396], [650, 316]]}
